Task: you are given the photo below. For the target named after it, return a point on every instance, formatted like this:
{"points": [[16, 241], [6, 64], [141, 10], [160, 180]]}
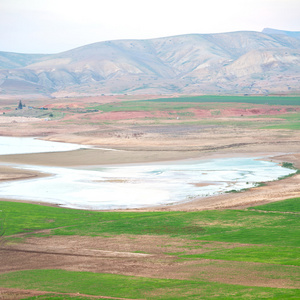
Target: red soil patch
{"points": [[253, 112], [125, 115], [201, 113], [65, 105], [191, 113], [238, 112]]}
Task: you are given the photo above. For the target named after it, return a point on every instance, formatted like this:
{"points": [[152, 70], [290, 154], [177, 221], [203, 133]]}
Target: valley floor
{"points": [[222, 241]]}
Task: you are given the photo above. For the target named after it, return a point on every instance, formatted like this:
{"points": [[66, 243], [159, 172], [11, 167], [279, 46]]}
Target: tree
{"points": [[20, 106]]}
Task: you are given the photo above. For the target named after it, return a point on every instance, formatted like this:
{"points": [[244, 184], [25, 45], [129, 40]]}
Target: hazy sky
{"points": [[51, 26]]}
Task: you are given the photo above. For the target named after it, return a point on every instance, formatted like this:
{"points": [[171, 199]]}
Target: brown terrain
{"points": [[141, 136]]}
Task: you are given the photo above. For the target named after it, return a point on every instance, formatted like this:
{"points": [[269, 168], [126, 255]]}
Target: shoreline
{"points": [[100, 157], [11, 173], [272, 191]]}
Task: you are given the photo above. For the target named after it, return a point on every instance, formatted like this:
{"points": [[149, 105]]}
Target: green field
{"points": [[149, 106], [182, 108], [200, 102], [266, 235], [250, 226], [136, 287], [290, 121], [270, 100]]}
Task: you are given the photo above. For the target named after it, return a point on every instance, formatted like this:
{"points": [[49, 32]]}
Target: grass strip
{"points": [[261, 254], [271, 100], [239, 226], [111, 285], [289, 205]]}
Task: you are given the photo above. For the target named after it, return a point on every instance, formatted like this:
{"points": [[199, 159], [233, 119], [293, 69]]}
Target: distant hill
{"points": [[294, 34], [10, 60], [236, 62]]}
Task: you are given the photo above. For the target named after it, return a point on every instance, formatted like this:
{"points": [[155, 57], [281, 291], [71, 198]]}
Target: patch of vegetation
{"points": [[289, 175], [288, 165], [291, 167], [31, 112], [236, 191], [262, 254], [240, 226], [182, 106], [270, 100], [2, 223], [185, 114], [199, 102], [111, 285], [289, 121], [141, 106], [257, 184], [52, 296], [284, 126], [289, 205], [266, 234]]}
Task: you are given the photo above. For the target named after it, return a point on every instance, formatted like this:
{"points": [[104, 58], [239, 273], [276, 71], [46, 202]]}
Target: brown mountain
{"points": [[237, 62]]}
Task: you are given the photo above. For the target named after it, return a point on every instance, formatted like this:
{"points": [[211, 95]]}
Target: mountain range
{"points": [[243, 62]]}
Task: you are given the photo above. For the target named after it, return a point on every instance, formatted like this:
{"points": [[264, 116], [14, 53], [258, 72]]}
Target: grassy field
{"points": [[250, 226], [289, 121], [267, 234], [136, 287], [185, 110], [225, 111], [199, 102], [270, 100]]}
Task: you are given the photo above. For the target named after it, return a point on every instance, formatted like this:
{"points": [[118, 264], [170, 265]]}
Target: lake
{"points": [[18, 145], [134, 186]]}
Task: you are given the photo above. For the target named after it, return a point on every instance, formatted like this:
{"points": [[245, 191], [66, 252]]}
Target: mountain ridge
{"points": [[236, 62]]}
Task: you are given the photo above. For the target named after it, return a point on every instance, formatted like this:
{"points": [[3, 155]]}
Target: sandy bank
{"points": [[85, 157], [89, 157], [10, 173]]}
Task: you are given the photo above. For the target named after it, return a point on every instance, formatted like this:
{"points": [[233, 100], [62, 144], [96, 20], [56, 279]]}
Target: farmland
{"points": [[236, 254]]}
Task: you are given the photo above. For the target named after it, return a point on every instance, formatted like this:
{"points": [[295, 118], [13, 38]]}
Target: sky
{"points": [[53, 26]]}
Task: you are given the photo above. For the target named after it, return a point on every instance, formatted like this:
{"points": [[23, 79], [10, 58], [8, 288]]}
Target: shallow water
{"points": [[18, 145], [144, 185]]}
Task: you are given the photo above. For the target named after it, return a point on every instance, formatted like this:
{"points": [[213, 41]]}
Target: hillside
{"points": [[295, 34], [236, 62]]}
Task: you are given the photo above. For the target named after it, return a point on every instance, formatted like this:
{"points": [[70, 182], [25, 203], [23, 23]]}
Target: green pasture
{"points": [[244, 226], [270, 100], [200, 102], [266, 236], [287, 121], [262, 254], [179, 107], [144, 106], [135, 287], [288, 206]]}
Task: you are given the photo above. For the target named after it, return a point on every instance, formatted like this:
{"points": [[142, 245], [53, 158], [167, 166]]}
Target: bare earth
{"points": [[137, 142], [118, 255]]}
